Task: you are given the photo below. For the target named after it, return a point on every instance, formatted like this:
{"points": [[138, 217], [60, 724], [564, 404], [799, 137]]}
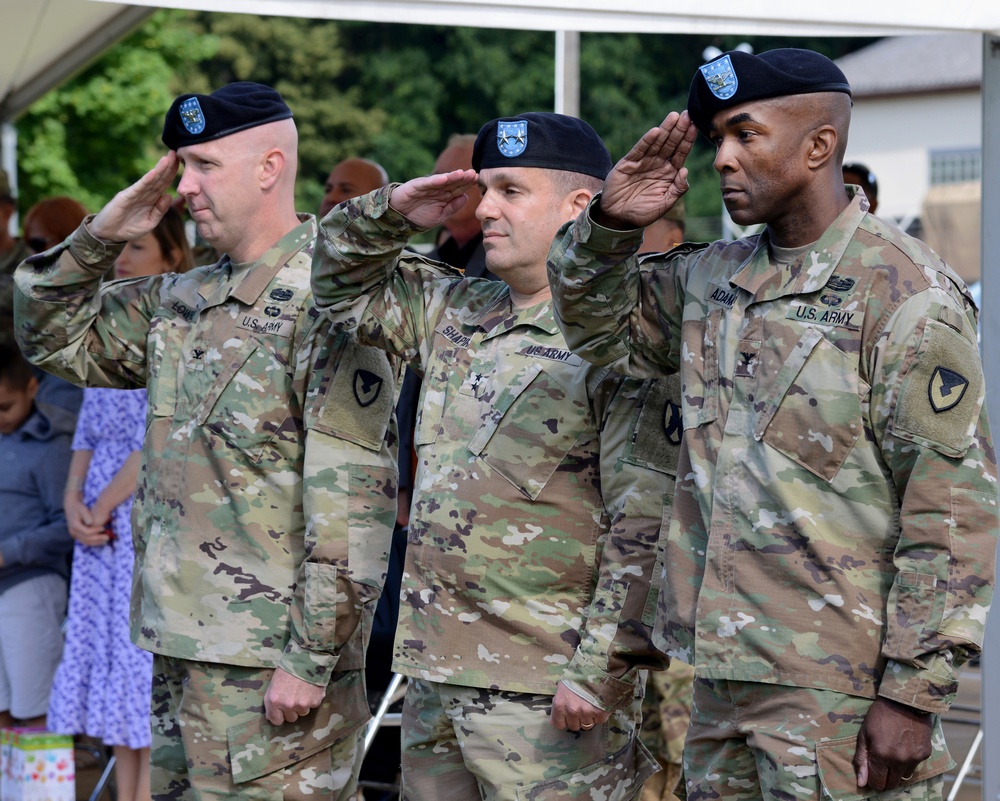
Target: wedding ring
{"points": [[907, 778], [587, 726]]}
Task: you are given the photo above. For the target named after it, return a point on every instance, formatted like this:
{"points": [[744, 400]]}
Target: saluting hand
{"points": [[650, 178], [135, 211], [429, 201]]}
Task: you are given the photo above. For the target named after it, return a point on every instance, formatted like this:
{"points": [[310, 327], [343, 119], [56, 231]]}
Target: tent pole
{"points": [[568, 73], [8, 161], [989, 326]]}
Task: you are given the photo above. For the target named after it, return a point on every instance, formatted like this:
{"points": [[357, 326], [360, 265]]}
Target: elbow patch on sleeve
{"points": [[941, 391]]}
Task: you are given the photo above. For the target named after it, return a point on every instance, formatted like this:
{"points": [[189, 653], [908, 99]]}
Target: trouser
{"points": [[666, 713], [464, 743], [750, 741], [210, 739]]}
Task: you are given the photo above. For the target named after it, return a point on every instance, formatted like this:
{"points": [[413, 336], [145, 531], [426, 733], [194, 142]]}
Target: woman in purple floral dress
{"points": [[102, 686]]}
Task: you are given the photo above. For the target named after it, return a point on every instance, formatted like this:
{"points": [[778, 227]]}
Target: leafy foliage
{"points": [[393, 93]]}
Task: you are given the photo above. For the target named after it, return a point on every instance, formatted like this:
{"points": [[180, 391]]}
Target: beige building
{"points": [[917, 125]]}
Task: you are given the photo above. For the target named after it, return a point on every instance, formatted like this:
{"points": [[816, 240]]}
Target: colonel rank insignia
{"points": [[512, 137], [191, 115], [721, 77], [946, 389]]}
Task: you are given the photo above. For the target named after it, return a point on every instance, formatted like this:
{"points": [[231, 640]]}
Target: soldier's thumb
{"points": [[861, 760]]}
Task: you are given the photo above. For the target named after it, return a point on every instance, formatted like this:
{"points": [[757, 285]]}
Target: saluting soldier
{"points": [[266, 496], [526, 595], [831, 554]]}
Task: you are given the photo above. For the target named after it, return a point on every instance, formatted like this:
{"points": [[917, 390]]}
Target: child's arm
{"points": [[119, 490], [79, 520]]}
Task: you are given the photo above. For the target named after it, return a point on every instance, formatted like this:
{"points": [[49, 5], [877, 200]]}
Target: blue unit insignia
{"points": [[721, 78], [192, 116], [512, 137]]}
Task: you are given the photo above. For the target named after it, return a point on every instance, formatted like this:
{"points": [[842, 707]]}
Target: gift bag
{"points": [[36, 765]]}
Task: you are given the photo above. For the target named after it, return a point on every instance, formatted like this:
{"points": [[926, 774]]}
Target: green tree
{"points": [[305, 61], [100, 131]]}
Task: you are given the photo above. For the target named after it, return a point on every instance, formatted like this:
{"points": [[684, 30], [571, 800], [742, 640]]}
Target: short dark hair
{"points": [[566, 182], [866, 177], [15, 371]]}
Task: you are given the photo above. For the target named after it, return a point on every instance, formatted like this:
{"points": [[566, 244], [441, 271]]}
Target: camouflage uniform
{"points": [[266, 495], [8, 263], [531, 546], [835, 516]]}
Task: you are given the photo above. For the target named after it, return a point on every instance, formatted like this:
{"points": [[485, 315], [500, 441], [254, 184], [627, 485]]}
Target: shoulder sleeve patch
{"points": [[359, 397], [941, 392], [655, 440]]}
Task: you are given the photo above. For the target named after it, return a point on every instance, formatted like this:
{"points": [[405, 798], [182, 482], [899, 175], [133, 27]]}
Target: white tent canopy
{"points": [[42, 42], [778, 17]]}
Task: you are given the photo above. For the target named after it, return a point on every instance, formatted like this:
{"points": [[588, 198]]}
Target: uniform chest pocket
{"points": [[814, 411], [164, 346], [700, 370], [247, 401], [533, 425]]}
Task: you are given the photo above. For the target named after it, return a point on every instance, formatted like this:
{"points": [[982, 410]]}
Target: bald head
{"points": [[240, 189], [351, 178]]}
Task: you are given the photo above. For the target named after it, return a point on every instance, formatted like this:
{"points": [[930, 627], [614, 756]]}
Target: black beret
{"points": [[541, 139], [235, 107], [737, 77]]}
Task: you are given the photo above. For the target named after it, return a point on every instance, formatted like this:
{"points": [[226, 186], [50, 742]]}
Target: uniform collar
{"points": [[810, 273], [248, 282], [500, 316]]}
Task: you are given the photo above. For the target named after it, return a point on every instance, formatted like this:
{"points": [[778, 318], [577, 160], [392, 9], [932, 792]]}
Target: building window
{"points": [[955, 166]]}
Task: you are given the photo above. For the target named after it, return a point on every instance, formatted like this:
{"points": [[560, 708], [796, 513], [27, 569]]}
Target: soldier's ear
{"points": [[577, 201], [822, 146], [271, 164]]}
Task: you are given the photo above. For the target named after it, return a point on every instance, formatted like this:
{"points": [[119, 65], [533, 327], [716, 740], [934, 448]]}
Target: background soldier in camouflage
{"points": [[527, 599], [266, 497], [831, 552]]}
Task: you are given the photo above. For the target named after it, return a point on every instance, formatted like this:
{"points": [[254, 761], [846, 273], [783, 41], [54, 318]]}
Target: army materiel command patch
{"points": [[367, 387], [941, 390], [191, 115], [721, 77], [512, 137], [945, 389]]}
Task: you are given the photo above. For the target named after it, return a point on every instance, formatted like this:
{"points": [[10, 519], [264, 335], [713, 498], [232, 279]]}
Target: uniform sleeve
{"points": [[71, 326], [930, 419], [611, 311], [367, 285], [135, 416], [349, 499], [638, 469]]}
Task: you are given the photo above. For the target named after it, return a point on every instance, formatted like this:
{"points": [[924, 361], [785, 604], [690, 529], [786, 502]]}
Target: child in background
{"points": [[34, 543], [102, 687]]}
